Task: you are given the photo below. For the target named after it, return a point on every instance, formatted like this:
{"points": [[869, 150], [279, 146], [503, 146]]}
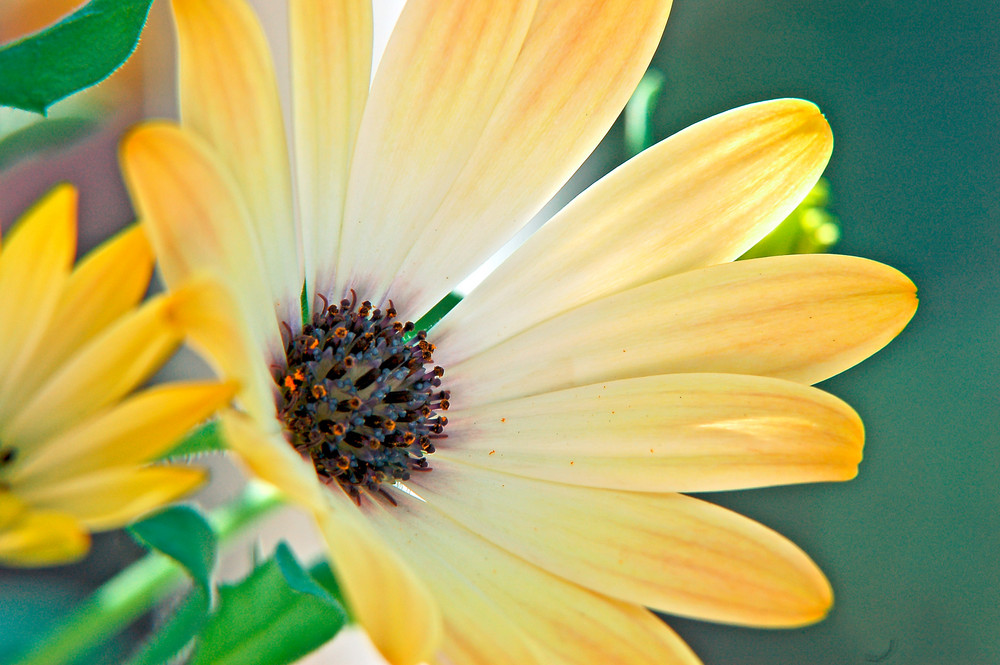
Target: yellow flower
{"points": [[615, 360], [74, 445]]}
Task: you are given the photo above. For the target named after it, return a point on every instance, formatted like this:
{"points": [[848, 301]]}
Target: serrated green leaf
{"points": [[205, 439], [82, 49], [183, 534], [177, 633], [266, 620]]}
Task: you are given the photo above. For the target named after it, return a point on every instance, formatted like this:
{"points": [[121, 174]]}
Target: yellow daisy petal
{"points": [[579, 63], [197, 220], [206, 312], [271, 459], [384, 593], [114, 496], [331, 49], [229, 97], [427, 109], [568, 623], [42, 538], [803, 318], [701, 197], [104, 370], [103, 287], [673, 433], [35, 262], [670, 552], [138, 430]]}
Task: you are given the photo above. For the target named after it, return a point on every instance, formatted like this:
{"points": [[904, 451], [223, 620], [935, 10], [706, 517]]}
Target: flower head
{"points": [[513, 475], [75, 445]]}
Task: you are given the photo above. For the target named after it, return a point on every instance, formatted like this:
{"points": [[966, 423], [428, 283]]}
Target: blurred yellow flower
{"points": [[617, 359], [75, 445]]}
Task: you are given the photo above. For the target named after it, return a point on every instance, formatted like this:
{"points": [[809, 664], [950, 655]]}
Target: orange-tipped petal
{"points": [[700, 197], [804, 318], [673, 433], [670, 552]]}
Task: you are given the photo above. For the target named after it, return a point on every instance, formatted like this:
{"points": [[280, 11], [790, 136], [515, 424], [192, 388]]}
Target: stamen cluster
{"points": [[360, 398]]}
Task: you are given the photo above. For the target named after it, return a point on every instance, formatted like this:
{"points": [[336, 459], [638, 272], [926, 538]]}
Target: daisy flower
{"points": [[507, 487], [74, 441]]}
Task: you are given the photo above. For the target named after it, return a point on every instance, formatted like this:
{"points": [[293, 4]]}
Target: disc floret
{"points": [[360, 397]]}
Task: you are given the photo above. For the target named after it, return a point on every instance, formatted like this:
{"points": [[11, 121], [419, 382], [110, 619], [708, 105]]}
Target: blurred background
{"points": [[911, 90]]}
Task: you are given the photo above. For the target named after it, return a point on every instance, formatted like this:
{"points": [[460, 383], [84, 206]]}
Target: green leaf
{"points": [[171, 638], [276, 615], [82, 49], [639, 112], [183, 534], [47, 134], [205, 439]]}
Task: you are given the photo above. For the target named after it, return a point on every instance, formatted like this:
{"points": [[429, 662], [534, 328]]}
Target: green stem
{"points": [[135, 590]]}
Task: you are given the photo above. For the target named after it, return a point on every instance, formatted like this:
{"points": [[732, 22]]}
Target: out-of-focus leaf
{"points": [[205, 439], [183, 534], [44, 135], [82, 49], [639, 112], [276, 615], [177, 633]]}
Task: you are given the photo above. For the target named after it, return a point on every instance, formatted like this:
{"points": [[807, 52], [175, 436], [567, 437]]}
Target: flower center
{"points": [[360, 397]]}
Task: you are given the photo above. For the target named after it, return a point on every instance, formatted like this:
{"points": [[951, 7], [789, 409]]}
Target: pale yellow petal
{"points": [[271, 458], [102, 372], [803, 318], [577, 68], [197, 221], [700, 197], [569, 624], [384, 592], [672, 433], [42, 538], [113, 497], [670, 552], [229, 96], [211, 319], [34, 265], [443, 72], [103, 287], [331, 49], [138, 430]]}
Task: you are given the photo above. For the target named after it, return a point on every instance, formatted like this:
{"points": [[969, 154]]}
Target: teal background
{"points": [[911, 89]]}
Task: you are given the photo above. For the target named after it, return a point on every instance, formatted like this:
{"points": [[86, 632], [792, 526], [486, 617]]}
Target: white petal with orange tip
{"points": [[672, 433], [803, 318], [570, 624], [331, 48], [436, 87], [670, 552], [701, 197], [579, 64]]}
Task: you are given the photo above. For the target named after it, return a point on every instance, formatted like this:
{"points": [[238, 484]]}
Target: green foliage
{"points": [[809, 229], [175, 635], [40, 136], [639, 112], [205, 439], [277, 615], [82, 49], [183, 534]]}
